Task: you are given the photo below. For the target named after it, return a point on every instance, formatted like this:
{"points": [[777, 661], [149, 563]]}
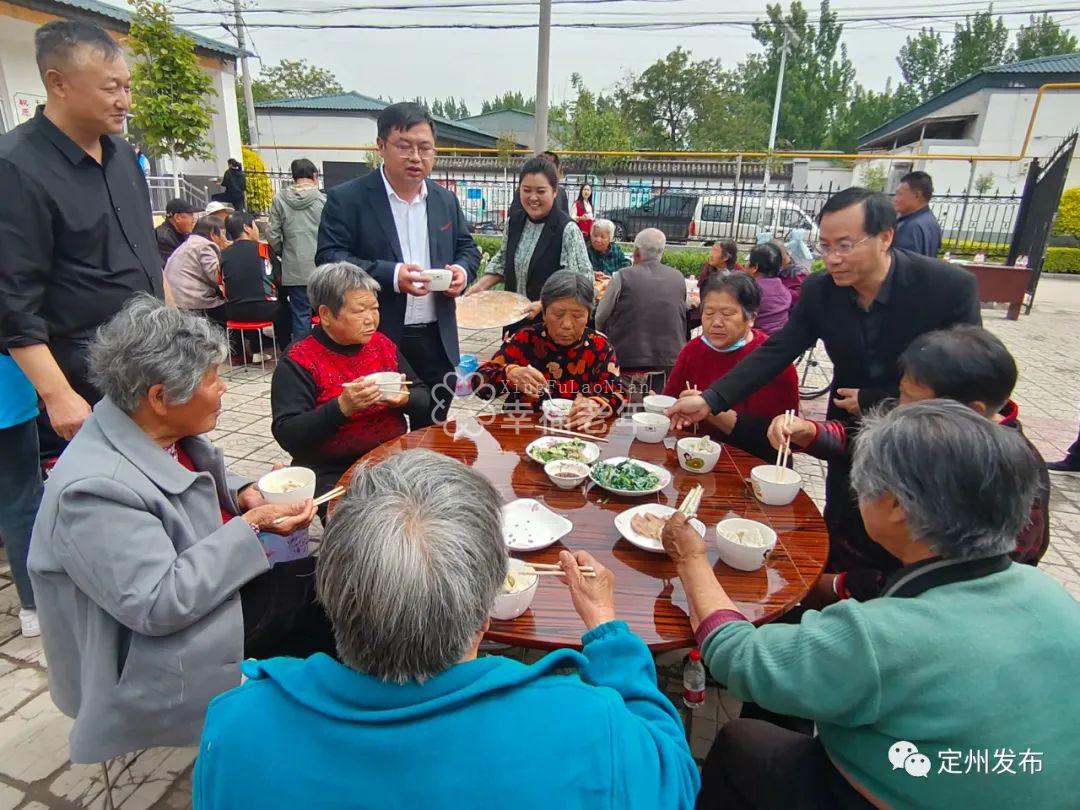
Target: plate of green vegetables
{"points": [[626, 476], [555, 448]]}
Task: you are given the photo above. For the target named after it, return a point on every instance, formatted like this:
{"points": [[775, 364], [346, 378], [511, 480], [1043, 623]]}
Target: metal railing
{"points": [[163, 189]]}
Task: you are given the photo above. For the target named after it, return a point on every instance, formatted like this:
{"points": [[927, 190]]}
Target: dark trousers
{"points": [[282, 614], [422, 346], [72, 355], [300, 307], [756, 765], [20, 485]]}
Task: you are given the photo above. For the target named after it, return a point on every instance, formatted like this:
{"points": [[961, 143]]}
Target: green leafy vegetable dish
{"points": [[625, 475], [570, 450]]}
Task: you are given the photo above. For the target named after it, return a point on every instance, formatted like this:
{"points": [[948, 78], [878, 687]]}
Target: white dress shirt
{"points": [[410, 220]]}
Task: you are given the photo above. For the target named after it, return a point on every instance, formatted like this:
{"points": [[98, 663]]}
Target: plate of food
{"points": [[627, 476], [490, 309], [641, 525], [556, 448], [528, 525]]}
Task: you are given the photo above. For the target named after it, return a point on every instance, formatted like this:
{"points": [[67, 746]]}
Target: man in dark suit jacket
{"points": [[395, 223], [873, 301]]}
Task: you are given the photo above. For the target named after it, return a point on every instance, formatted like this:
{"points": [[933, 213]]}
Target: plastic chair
{"points": [[247, 326]]}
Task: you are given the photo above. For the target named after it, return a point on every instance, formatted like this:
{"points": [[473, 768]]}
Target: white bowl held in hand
{"points": [[744, 544], [650, 427], [556, 410], [657, 403], [511, 603], [439, 280], [389, 383], [566, 474], [288, 485], [775, 486], [698, 454]]}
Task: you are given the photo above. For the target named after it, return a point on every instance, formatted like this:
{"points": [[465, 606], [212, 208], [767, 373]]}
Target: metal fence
{"points": [[163, 189], [702, 210]]}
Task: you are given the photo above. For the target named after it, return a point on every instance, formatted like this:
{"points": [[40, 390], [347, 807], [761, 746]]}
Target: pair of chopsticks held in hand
{"points": [[554, 570], [783, 452], [336, 492], [692, 502]]}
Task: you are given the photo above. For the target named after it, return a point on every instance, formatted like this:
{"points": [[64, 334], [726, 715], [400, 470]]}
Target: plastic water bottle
{"points": [[466, 367], [693, 680]]}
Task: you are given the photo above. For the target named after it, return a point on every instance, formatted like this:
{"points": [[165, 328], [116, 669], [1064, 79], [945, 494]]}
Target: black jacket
{"points": [[358, 226], [168, 240]]}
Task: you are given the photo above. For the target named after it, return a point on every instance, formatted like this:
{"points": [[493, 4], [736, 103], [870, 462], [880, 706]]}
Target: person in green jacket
{"points": [[294, 230], [952, 689]]}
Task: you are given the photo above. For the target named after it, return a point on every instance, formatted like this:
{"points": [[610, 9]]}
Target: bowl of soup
{"points": [[744, 544], [698, 454], [773, 485], [517, 591], [288, 485], [566, 474]]}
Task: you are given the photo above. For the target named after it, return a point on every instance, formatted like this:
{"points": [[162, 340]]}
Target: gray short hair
{"points": [[965, 483], [568, 284], [149, 343], [650, 243], [330, 282], [604, 225], [410, 564]]}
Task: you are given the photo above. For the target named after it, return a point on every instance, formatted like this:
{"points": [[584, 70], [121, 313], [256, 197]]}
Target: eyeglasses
{"points": [[404, 148], [840, 249]]}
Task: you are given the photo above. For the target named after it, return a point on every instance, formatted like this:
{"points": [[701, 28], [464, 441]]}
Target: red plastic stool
{"points": [[243, 326]]}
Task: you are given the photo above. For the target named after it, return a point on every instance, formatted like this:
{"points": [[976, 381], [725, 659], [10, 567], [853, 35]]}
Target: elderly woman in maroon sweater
{"points": [[325, 413]]}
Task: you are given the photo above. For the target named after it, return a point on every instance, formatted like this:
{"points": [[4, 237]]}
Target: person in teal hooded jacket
{"points": [[410, 565]]}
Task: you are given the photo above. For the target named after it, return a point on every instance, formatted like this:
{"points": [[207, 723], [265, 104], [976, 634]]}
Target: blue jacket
{"points": [[18, 399], [487, 733], [919, 233]]}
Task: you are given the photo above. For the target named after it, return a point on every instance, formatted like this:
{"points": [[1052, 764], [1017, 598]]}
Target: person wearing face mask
{"points": [[540, 240], [729, 305], [76, 235]]}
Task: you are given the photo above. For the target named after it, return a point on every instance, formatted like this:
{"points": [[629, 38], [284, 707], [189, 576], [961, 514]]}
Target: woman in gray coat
{"points": [[150, 578]]}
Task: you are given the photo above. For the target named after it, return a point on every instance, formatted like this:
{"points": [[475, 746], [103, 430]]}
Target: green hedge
{"points": [[1062, 260]]}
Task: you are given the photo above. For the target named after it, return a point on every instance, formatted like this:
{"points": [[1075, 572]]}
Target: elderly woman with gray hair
{"points": [[150, 578], [327, 409], [559, 357], [411, 716], [964, 651], [605, 255]]}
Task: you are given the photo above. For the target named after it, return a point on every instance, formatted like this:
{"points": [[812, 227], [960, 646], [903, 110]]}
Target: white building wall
{"points": [[313, 129]]}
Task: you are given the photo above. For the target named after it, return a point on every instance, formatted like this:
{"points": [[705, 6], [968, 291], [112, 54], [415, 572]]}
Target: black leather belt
{"points": [[416, 329]]}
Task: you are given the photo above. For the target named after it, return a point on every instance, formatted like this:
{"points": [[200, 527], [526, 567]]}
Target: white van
{"points": [[725, 216]]}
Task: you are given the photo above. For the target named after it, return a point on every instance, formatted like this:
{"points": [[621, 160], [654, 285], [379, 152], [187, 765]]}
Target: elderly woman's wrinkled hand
{"points": [[593, 597], [681, 541], [401, 398], [585, 413], [249, 498], [357, 396], [295, 516], [527, 380]]}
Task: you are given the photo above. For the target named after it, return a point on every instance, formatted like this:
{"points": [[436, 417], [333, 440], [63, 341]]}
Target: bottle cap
{"points": [[695, 654]]}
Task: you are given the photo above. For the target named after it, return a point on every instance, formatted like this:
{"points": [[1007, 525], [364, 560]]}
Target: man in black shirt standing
{"points": [[869, 305], [76, 238]]}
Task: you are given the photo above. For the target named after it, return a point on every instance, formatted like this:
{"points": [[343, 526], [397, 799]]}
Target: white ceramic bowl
{"points": [[439, 280], [650, 427], [740, 555], [566, 474], [556, 410], [389, 382], [775, 486], [271, 485], [657, 403], [511, 605], [694, 460]]}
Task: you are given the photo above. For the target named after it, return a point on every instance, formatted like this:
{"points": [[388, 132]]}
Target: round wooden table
{"points": [[648, 595]]}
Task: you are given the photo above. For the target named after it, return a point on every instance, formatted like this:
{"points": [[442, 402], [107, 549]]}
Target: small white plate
{"points": [[622, 523], [661, 473], [591, 451], [528, 525]]}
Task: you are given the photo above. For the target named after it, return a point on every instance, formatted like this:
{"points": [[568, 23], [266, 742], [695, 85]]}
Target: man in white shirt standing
{"points": [[395, 223]]}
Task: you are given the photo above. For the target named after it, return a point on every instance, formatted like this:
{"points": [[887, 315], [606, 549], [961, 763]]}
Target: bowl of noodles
{"points": [[517, 592], [288, 485]]}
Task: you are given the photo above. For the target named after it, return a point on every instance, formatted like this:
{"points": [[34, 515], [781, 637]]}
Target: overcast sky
{"points": [[478, 64]]}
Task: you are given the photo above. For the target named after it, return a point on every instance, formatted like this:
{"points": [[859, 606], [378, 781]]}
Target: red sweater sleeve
{"points": [[676, 381]]}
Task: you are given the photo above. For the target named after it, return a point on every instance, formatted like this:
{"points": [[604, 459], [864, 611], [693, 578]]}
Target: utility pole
{"points": [[249, 100], [789, 37], [543, 58]]}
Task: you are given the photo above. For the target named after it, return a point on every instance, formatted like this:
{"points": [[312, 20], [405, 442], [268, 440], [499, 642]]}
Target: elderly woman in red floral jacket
{"points": [[560, 357], [325, 413]]}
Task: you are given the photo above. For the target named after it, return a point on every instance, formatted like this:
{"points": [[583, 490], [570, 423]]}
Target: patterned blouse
{"points": [[574, 255], [588, 368]]}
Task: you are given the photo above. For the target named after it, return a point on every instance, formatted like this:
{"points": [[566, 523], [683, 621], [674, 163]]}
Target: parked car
{"points": [[726, 216], [671, 213], [481, 222]]}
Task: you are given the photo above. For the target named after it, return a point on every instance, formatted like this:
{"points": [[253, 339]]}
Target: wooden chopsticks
{"points": [[783, 452], [551, 570], [692, 501], [329, 496]]}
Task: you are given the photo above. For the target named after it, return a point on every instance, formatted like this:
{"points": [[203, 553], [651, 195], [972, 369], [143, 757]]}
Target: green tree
{"points": [[866, 110], [978, 42], [873, 177], [289, 78], [509, 100], [819, 78], [170, 92], [729, 120], [590, 122], [1043, 37], [924, 66], [662, 102]]}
